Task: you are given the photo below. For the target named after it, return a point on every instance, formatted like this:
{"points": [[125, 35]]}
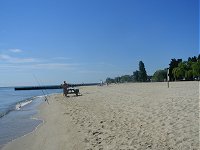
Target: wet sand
{"points": [[136, 116]]}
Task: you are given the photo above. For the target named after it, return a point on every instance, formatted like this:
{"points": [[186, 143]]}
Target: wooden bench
{"points": [[73, 91]]}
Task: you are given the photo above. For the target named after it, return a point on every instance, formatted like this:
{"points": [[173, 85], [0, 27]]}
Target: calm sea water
{"points": [[16, 111]]}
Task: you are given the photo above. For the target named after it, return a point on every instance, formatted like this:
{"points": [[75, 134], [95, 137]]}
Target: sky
{"points": [[83, 41]]}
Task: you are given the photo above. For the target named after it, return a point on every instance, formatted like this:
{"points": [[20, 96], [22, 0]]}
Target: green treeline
{"points": [[185, 70], [178, 70], [138, 76]]}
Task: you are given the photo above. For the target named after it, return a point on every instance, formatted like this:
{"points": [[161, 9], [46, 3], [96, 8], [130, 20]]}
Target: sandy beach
{"points": [[132, 116]]}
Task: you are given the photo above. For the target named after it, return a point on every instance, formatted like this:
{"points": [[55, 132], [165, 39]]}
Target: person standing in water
{"points": [[65, 87]]}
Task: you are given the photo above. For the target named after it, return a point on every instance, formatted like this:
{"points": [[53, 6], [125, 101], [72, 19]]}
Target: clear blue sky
{"points": [[89, 40]]}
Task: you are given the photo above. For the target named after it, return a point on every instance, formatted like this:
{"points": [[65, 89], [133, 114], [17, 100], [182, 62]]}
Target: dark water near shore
{"points": [[17, 109]]}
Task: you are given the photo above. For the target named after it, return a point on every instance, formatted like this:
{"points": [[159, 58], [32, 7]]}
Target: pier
{"points": [[52, 86]]}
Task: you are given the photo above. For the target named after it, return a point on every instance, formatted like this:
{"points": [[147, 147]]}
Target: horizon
{"points": [[88, 42]]}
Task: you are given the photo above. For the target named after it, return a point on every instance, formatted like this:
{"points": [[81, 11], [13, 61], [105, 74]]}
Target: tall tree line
{"points": [[138, 76], [180, 70], [185, 70]]}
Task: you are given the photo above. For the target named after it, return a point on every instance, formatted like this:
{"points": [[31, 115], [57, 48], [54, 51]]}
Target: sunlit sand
{"points": [[135, 116]]}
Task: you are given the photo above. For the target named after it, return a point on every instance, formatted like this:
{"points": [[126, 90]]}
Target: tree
{"points": [[194, 59], [142, 75], [189, 75], [173, 64], [175, 73], [117, 79], [182, 69], [180, 72], [125, 78], [109, 80], [160, 75], [136, 76], [196, 69]]}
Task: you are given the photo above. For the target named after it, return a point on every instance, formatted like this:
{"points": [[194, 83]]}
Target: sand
{"points": [[136, 116]]}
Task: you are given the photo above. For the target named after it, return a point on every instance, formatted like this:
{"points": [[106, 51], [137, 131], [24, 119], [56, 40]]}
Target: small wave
{"points": [[41, 96], [18, 106], [2, 114], [21, 104]]}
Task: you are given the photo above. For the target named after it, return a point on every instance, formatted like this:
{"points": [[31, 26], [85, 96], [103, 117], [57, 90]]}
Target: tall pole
{"points": [[168, 77]]}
